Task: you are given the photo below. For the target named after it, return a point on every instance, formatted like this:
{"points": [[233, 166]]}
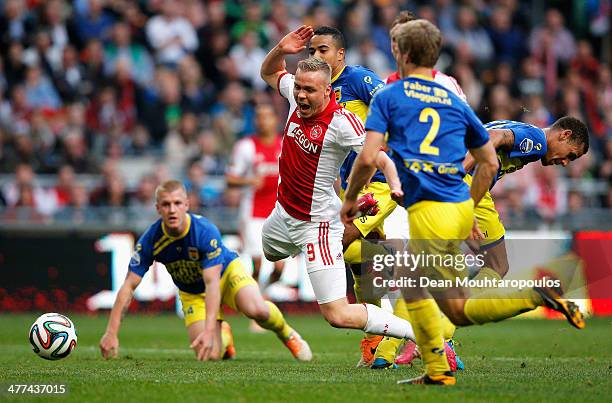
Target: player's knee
{"points": [[273, 258], [337, 318], [351, 233], [455, 313], [257, 312]]}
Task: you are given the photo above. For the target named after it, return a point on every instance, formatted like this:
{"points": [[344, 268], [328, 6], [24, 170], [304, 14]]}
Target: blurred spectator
{"points": [[54, 21], [469, 34], [24, 191], [508, 41], [94, 22], [279, 23], [137, 57], [41, 53], [248, 57], [14, 68], [367, 55], [196, 182], [380, 31], [162, 110], [549, 195], [555, 36], [516, 213], [198, 92], [142, 202], [112, 193], [251, 22], [530, 81], [471, 85], [76, 154], [93, 59], [70, 76], [39, 91], [171, 35], [15, 23], [65, 183], [78, 210], [180, 144], [233, 117], [208, 156]]}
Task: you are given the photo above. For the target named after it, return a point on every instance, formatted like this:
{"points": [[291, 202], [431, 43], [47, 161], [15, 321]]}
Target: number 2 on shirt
{"points": [[426, 147]]}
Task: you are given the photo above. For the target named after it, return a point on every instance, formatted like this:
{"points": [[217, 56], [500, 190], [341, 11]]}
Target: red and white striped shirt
{"points": [[312, 153]]}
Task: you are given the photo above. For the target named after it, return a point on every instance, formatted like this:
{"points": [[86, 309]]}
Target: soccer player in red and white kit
{"points": [[254, 164], [318, 136]]}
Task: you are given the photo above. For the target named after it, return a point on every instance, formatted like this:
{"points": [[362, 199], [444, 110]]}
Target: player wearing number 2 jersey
{"points": [[430, 130]]}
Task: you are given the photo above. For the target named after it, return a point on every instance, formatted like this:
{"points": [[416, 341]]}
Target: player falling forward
{"points": [[429, 129], [207, 275], [354, 87], [318, 136]]}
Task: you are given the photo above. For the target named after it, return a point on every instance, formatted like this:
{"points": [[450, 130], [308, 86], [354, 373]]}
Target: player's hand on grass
{"points": [[109, 345], [296, 41], [204, 346], [476, 234]]}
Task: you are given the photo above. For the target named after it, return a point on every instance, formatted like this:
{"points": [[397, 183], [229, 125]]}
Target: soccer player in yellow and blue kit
{"points": [[354, 87], [517, 144], [207, 275], [430, 130]]}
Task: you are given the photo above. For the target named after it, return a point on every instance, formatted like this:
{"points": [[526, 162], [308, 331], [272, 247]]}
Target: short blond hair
{"points": [[315, 64], [169, 186], [420, 40]]}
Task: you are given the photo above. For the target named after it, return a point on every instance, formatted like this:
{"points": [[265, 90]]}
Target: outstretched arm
{"points": [[294, 42], [109, 343]]}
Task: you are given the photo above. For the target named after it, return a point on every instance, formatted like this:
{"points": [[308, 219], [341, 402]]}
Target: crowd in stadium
{"points": [[90, 89]]}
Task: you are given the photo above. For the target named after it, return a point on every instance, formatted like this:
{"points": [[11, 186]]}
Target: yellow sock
{"points": [[425, 320], [483, 274], [276, 323], [389, 346], [352, 254], [493, 305], [225, 339], [448, 328]]}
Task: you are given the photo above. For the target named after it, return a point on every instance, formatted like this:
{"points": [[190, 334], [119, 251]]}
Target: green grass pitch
{"points": [[517, 360]]}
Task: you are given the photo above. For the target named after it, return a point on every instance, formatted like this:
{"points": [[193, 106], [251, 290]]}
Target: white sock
{"points": [[385, 323]]}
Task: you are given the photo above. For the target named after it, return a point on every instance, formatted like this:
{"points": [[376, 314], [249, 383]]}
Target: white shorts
{"points": [[321, 244], [251, 236]]}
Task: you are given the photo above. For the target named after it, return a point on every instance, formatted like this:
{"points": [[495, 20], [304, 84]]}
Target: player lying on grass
{"points": [[516, 144], [354, 87], [208, 276], [429, 129], [317, 138]]}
